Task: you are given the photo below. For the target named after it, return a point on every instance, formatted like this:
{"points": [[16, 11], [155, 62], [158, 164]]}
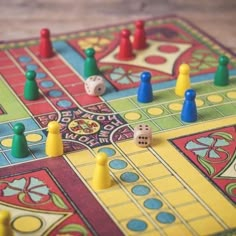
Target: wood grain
{"points": [[24, 18]]}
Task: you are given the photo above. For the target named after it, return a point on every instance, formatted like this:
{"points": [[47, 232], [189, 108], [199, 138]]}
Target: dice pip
{"points": [[95, 85], [142, 135]]}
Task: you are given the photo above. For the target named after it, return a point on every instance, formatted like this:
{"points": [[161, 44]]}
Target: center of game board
{"points": [[83, 126]]}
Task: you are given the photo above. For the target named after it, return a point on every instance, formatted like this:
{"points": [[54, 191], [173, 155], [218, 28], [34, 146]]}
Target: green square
{"points": [[168, 122], [203, 88], [133, 116], [150, 123], [227, 109], [214, 99], [155, 111], [122, 105], [166, 95], [208, 113]]}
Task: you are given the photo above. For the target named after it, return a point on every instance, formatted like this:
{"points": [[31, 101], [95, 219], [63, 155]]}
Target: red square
{"points": [[68, 79], [5, 61], [3, 55], [40, 108], [9, 71], [16, 52], [63, 70], [52, 62], [85, 99]]}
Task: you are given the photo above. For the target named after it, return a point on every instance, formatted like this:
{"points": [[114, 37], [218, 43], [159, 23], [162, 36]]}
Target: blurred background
{"points": [[24, 18]]}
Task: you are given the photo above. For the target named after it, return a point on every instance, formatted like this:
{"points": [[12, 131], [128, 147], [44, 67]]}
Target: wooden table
{"points": [[24, 18]]}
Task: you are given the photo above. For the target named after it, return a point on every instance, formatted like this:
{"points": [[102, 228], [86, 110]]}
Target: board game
{"points": [[183, 184]]}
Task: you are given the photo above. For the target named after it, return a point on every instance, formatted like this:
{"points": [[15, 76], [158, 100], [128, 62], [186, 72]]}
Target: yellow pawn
{"points": [[183, 80], [5, 227], [54, 145], [101, 177]]}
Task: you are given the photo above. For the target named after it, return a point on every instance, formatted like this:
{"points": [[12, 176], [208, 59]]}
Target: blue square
{"points": [[14, 160], [29, 124], [3, 160], [6, 129], [38, 150]]}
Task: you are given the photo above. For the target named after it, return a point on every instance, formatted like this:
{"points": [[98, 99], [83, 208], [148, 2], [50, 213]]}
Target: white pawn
{"points": [[95, 85], [142, 135]]}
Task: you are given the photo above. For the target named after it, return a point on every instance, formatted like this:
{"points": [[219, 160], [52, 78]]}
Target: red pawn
{"points": [[126, 50], [139, 36], [45, 45]]}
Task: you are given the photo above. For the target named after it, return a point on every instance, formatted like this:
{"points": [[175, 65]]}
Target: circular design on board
{"points": [[168, 48], [137, 225], [109, 151], [231, 95], [64, 103], [199, 102], [165, 217], [153, 203], [155, 111], [31, 67], [155, 60], [175, 106], [140, 190], [84, 126], [24, 59], [132, 116], [118, 164], [47, 84], [34, 224], [6, 142], [129, 177], [55, 93], [34, 138], [215, 98], [40, 75]]}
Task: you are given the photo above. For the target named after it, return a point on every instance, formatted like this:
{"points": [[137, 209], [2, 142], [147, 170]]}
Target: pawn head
{"points": [[53, 127], [19, 128], [139, 24], [223, 60], [190, 94], [101, 158], [125, 33], [89, 52], [45, 33], [30, 75], [145, 77], [5, 217], [184, 69]]}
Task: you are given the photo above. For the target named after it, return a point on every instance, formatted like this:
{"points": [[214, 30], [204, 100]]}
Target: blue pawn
{"points": [[189, 110], [145, 88]]}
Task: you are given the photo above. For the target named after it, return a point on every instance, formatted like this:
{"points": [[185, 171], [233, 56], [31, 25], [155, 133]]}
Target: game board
{"points": [[183, 184]]}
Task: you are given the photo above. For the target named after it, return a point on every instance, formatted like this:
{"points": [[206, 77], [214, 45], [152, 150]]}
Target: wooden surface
{"points": [[24, 18]]}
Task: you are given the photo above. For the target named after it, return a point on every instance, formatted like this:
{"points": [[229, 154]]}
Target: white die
{"points": [[142, 135], [95, 85]]}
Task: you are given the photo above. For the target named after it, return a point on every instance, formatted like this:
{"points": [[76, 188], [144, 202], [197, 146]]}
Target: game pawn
{"points": [[183, 80], [31, 91], [125, 50], [139, 42], [101, 177], [189, 110], [45, 45], [222, 74], [54, 144], [19, 147], [90, 64], [5, 226], [145, 94]]}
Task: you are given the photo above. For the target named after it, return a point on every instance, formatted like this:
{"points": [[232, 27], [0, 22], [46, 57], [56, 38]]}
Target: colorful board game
{"points": [[183, 184]]}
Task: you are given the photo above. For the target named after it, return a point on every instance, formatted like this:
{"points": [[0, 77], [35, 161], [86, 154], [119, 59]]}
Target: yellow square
{"points": [[125, 211], [86, 171], [113, 196], [167, 184], [81, 157], [177, 230], [191, 211], [179, 197], [155, 171], [206, 226], [143, 158], [129, 146]]}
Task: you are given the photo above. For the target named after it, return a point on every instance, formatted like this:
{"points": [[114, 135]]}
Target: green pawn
{"points": [[19, 147], [31, 91], [222, 73], [90, 64]]}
